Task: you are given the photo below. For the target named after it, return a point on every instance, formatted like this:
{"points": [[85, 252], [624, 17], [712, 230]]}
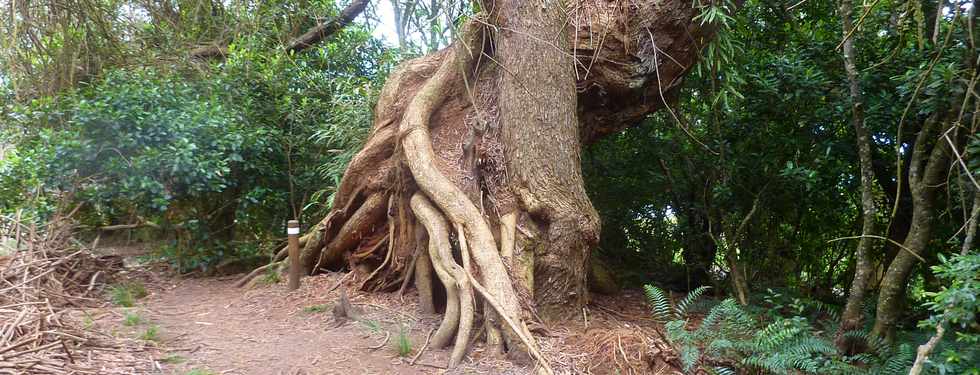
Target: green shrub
{"points": [[956, 306], [206, 156]]}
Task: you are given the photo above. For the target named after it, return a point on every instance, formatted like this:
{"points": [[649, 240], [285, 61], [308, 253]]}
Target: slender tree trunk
{"points": [[851, 318], [401, 12], [926, 173], [740, 284], [971, 224]]}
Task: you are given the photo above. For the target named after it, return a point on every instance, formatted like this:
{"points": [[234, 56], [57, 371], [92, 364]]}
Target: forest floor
{"points": [[206, 325]]}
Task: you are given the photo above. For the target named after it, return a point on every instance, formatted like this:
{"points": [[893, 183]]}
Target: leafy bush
{"points": [[956, 306], [238, 148]]}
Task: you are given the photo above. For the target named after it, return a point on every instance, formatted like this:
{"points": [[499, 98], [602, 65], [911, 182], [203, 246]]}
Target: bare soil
{"points": [[209, 326]]}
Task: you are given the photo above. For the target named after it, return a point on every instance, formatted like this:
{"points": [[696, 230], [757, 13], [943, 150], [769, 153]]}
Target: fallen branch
{"points": [[48, 278], [109, 228], [387, 336], [422, 349], [251, 275]]}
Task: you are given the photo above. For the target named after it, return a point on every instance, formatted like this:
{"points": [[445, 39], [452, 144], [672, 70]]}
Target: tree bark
{"points": [[541, 145], [851, 318], [489, 131], [926, 174], [326, 29]]}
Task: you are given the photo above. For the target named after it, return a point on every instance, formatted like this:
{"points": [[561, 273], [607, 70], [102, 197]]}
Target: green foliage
{"points": [[664, 310], [125, 294], [206, 152], [217, 154], [881, 358], [956, 302], [315, 309], [200, 372], [403, 343], [132, 318], [730, 340], [957, 306], [152, 333]]}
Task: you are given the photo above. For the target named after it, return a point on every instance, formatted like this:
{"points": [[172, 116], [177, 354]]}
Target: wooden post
{"points": [[292, 230]]}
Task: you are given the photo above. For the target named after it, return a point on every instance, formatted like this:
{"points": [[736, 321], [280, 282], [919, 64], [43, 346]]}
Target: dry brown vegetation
{"points": [[45, 287]]}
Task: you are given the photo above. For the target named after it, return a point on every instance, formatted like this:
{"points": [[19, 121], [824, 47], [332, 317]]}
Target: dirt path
{"points": [[207, 326], [210, 326]]}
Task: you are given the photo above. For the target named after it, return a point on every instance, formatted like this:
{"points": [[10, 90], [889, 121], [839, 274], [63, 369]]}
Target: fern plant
{"points": [[729, 340], [665, 311]]}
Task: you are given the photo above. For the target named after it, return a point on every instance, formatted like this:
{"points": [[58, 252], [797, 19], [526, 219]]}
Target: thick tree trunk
{"points": [[851, 318], [541, 145], [485, 137]]}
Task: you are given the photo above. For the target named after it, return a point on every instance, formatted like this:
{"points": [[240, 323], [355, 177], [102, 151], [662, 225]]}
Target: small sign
{"points": [[292, 230]]}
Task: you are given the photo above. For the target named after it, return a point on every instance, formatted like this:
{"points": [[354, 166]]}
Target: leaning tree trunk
{"points": [[926, 175], [473, 164]]}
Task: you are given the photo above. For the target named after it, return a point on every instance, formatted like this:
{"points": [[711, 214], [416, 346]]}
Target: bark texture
{"points": [[542, 149], [851, 318], [927, 172], [475, 157]]}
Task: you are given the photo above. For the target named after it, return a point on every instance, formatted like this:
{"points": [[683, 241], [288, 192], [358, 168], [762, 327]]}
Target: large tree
{"points": [[473, 164]]}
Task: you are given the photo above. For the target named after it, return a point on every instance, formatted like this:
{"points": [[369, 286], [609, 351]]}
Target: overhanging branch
{"points": [[311, 37], [326, 29]]}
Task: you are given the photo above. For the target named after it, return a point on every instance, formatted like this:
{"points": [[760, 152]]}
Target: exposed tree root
{"points": [[450, 199], [444, 162], [459, 294], [357, 226], [258, 271]]}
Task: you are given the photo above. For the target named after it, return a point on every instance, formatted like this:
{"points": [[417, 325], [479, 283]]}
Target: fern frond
{"points": [[658, 300], [689, 357], [877, 346], [689, 300], [898, 361], [676, 332], [716, 347], [774, 335], [719, 314]]}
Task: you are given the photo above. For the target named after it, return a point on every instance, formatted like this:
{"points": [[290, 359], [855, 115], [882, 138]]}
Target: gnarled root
{"points": [[474, 234], [459, 294]]}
